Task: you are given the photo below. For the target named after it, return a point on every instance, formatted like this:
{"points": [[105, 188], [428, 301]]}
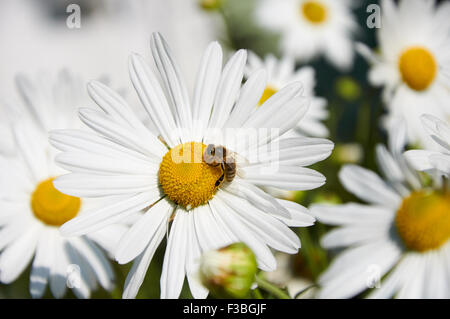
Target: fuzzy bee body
{"points": [[219, 155]]}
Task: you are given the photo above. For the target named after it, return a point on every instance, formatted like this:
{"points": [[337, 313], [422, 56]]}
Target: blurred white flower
{"points": [[122, 157], [281, 73], [398, 244], [34, 35], [429, 161], [312, 27], [32, 209], [413, 63]]}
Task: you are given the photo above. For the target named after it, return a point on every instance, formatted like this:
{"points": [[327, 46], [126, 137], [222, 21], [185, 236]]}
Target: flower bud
{"points": [[229, 271]]}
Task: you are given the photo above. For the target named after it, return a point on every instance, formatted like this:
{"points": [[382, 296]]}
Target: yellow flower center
{"points": [[423, 220], [186, 178], [314, 11], [51, 206], [418, 68], [268, 92]]}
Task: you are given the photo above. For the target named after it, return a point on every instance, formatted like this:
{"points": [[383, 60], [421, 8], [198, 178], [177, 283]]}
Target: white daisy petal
{"points": [[368, 186], [349, 274], [438, 129], [283, 106], [436, 286], [81, 287], [30, 150], [98, 218], [104, 125], [12, 230], [265, 258], [17, 255], [153, 99], [77, 140], [355, 235], [173, 83], [228, 89], [208, 78], [413, 285], [40, 270], [209, 235], [300, 151], [140, 265], [420, 159], [393, 281], [193, 256], [114, 105], [134, 241], [257, 197], [286, 177], [174, 269], [34, 101], [388, 165], [275, 233], [441, 162], [86, 185], [82, 162], [351, 213], [300, 216], [59, 268], [108, 237], [96, 260], [249, 97]]}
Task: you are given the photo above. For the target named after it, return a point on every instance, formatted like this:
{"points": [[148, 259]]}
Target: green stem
{"points": [[257, 294], [270, 288]]}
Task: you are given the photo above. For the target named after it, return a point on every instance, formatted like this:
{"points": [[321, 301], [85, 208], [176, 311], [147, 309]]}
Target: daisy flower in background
{"points": [[439, 161], [33, 210], [206, 210], [310, 28], [281, 72], [401, 237], [413, 62]]}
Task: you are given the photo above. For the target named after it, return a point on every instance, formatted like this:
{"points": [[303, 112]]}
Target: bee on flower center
{"points": [[219, 155]]}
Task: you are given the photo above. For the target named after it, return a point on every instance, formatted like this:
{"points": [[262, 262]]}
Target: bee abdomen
{"points": [[230, 171]]}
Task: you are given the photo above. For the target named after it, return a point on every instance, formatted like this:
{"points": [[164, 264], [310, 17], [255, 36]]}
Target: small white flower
{"points": [[122, 157], [32, 209], [398, 244], [312, 27], [413, 62], [424, 160], [281, 73]]}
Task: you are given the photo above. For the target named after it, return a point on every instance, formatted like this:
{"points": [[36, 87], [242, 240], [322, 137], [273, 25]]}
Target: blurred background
{"points": [[34, 37]]}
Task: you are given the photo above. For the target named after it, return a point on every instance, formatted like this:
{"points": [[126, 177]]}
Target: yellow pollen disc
{"points": [[314, 11], [186, 178], [418, 68], [51, 206], [423, 220], [268, 92]]}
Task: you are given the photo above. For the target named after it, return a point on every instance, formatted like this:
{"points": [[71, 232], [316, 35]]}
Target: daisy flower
{"points": [[33, 210], [439, 161], [281, 72], [398, 243], [412, 63], [312, 27], [172, 176]]}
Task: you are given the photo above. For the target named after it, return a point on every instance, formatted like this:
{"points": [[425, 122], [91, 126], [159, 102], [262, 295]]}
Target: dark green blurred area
{"points": [[355, 109]]}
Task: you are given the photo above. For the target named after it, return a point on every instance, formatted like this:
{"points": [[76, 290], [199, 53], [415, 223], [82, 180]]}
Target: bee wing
{"points": [[239, 159]]}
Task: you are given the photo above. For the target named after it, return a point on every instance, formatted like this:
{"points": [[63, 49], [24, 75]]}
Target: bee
{"points": [[219, 155]]}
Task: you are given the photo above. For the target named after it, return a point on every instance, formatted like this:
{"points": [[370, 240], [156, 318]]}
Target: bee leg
{"points": [[220, 180]]}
